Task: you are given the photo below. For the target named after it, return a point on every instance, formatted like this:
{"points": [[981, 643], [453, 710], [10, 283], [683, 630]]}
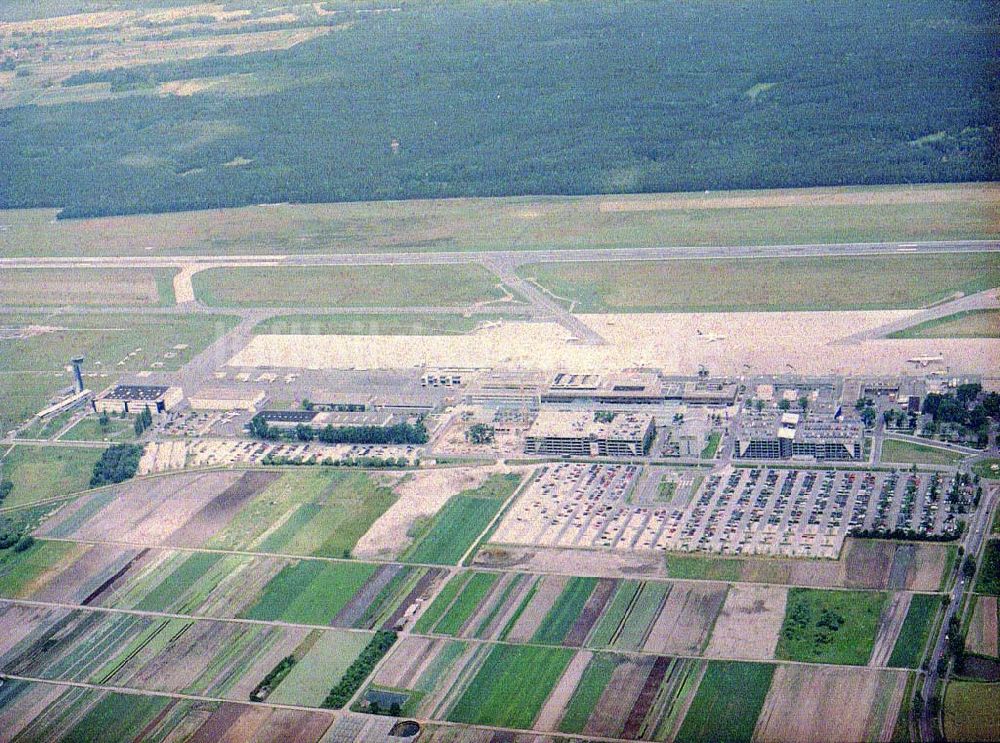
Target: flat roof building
{"points": [[226, 398], [581, 433], [772, 434], [134, 398], [623, 389]]}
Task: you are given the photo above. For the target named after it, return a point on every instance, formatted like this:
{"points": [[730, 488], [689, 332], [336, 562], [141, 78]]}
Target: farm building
{"points": [[772, 434], [134, 398], [579, 433], [224, 398]]}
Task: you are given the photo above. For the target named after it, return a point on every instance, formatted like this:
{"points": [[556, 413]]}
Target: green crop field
{"points": [[40, 472], [588, 692], [347, 286], [441, 602], [644, 611], [907, 452], [472, 595], [312, 676], [174, 584], [988, 575], [909, 647], [350, 503], [970, 711], [511, 687], [20, 570], [458, 525], [373, 324], [565, 611], [116, 717], [728, 702], [310, 591], [823, 626], [614, 614], [837, 283], [969, 324], [33, 369], [704, 568]]}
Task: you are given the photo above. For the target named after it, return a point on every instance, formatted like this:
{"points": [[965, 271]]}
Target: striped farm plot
{"points": [[809, 704], [981, 637]]}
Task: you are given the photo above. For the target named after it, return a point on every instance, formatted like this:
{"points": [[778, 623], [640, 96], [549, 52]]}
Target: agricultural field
{"points": [[855, 283], [810, 704], [33, 366], [728, 701], [830, 626], [42, 472], [969, 324], [906, 452], [25, 573], [969, 711], [981, 636], [64, 287], [916, 629], [459, 524], [347, 286]]}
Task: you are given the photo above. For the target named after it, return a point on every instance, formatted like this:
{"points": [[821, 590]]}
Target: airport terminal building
{"points": [[580, 434], [772, 434]]}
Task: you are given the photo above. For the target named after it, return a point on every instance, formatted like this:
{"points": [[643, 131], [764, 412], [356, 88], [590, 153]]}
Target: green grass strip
{"points": [[909, 647], [565, 611], [466, 604], [588, 692]]}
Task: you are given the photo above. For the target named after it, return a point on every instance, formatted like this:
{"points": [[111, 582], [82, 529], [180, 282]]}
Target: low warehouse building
{"points": [[224, 398], [134, 398]]}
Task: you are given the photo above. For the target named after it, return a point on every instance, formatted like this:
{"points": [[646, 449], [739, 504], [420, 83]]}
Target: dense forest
{"points": [[565, 97]]}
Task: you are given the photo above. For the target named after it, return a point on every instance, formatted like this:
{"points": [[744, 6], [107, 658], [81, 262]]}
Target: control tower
{"points": [[77, 361]]}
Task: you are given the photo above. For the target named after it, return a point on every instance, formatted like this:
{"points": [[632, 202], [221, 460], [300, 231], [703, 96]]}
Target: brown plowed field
{"points": [[619, 697], [214, 515], [982, 637], [686, 619], [816, 704], [591, 613], [749, 623]]}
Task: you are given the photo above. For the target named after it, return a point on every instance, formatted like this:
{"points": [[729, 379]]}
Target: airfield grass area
{"points": [[117, 430], [457, 526], [909, 648], [347, 286], [41, 472], [374, 324], [969, 324], [970, 711], [830, 626], [764, 217], [98, 287], [499, 694], [728, 702], [33, 369], [765, 284], [908, 452]]}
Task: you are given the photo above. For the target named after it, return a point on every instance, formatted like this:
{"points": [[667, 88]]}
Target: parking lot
{"points": [[799, 512]]}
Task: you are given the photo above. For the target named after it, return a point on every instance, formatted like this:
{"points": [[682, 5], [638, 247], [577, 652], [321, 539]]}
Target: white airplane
{"points": [[710, 337], [926, 360]]}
